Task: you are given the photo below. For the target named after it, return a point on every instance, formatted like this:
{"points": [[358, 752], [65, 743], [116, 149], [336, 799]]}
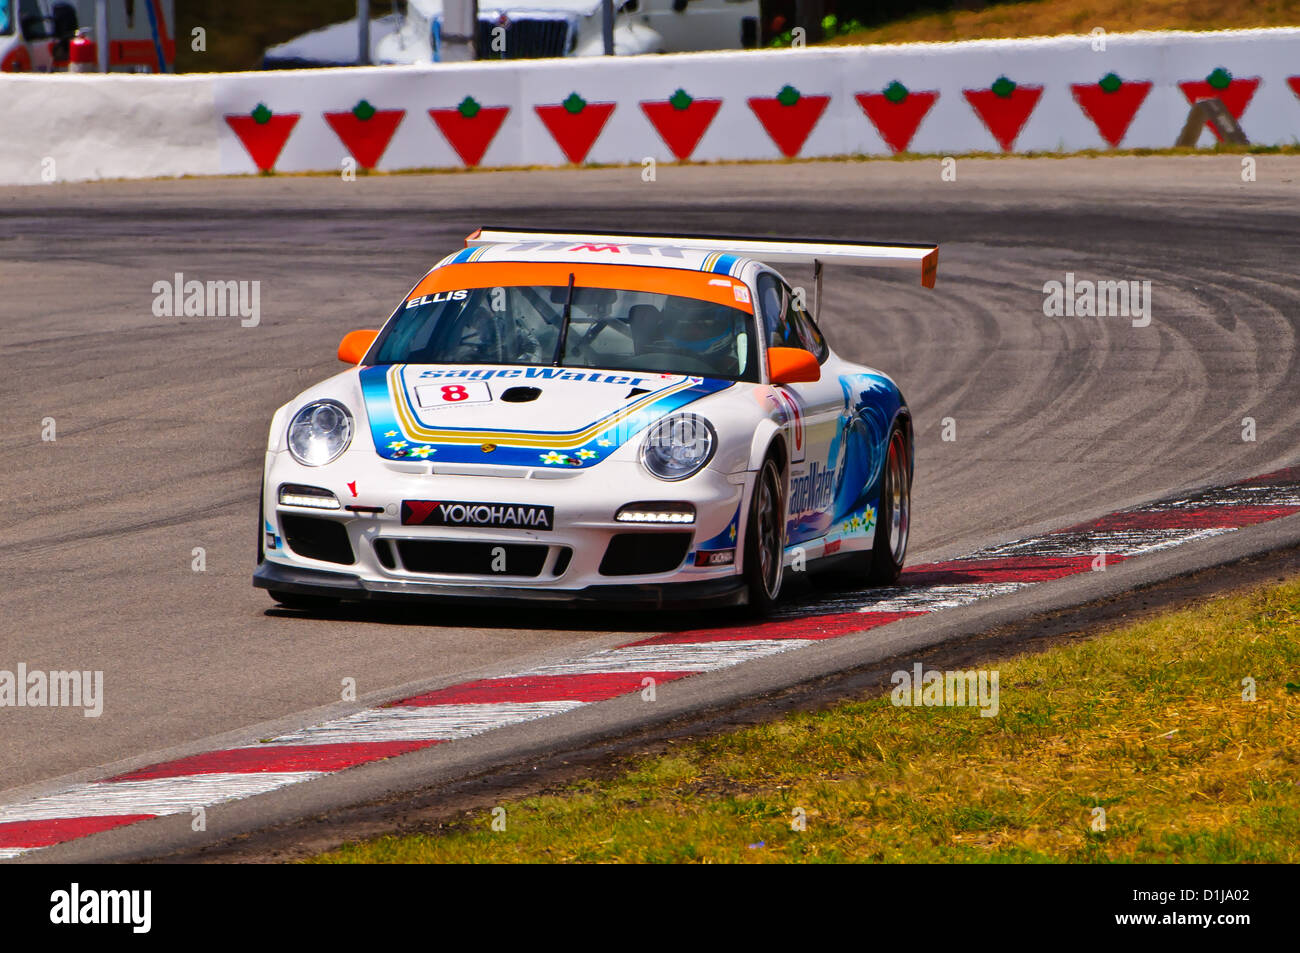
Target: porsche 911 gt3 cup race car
{"points": [[623, 419]]}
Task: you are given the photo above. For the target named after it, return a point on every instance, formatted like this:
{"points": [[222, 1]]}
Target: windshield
{"points": [[6, 17], [610, 328]]}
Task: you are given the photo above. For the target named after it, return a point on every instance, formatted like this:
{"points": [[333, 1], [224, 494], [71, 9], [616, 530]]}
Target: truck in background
{"points": [[35, 34], [529, 29]]}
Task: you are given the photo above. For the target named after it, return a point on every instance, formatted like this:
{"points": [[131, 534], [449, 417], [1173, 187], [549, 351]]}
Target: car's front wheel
{"points": [[765, 540]]}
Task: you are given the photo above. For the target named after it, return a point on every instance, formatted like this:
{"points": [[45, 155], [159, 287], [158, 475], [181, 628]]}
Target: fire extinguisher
{"points": [[83, 57]]}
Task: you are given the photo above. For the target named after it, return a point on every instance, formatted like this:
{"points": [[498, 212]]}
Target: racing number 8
{"points": [[441, 395]]}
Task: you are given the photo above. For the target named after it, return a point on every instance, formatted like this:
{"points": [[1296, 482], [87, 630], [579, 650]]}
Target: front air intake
{"points": [[315, 538], [457, 558], [641, 554]]}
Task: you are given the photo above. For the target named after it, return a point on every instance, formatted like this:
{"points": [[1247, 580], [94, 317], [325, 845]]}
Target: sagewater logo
{"points": [[38, 689], [956, 689], [73, 906], [1098, 299], [213, 299]]}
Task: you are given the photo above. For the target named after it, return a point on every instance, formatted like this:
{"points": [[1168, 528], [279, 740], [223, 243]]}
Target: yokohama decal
{"points": [[457, 513]]}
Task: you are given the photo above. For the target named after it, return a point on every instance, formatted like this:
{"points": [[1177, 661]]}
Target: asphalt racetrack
{"points": [[161, 422]]}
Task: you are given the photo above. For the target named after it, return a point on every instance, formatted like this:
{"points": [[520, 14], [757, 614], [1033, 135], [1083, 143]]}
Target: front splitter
{"points": [[707, 593]]}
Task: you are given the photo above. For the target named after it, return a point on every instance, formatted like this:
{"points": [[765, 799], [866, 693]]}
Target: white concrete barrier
{"points": [[1046, 95], [80, 126]]}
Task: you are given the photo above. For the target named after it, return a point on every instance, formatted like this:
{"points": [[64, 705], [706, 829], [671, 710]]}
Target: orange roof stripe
{"points": [[702, 285]]}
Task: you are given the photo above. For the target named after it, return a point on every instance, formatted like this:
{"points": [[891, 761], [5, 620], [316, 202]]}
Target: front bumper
{"points": [[567, 560], [727, 591]]}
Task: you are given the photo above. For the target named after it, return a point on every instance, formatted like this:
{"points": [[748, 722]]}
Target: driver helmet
{"points": [[699, 326], [479, 337]]}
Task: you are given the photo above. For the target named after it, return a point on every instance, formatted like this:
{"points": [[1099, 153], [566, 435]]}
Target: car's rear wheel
{"points": [[765, 540], [294, 600], [893, 514]]}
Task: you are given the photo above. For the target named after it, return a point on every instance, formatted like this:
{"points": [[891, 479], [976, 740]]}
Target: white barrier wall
{"points": [[1065, 93], [78, 126]]}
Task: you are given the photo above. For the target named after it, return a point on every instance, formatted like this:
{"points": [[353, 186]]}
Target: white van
{"points": [[34, 34]]}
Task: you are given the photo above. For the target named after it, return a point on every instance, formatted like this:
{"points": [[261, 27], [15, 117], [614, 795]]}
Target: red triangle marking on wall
{"points": [[681, 129], [789, 126], [1112, 113], [470, 137], [1236, 97], [264, 141], [897, 122], [575, 133], [366, 139], [1004, 116]]}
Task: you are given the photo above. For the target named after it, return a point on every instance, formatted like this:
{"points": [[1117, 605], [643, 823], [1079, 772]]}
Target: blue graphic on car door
{"points": [[812, 482], [871, 404], [836, 494]]}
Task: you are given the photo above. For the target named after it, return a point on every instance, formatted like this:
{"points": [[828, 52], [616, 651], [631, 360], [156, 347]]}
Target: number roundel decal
{"points": [[440, 395]]}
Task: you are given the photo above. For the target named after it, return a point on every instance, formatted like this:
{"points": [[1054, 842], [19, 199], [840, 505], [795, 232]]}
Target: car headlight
{"points": [[320, 432], [678, 446]]}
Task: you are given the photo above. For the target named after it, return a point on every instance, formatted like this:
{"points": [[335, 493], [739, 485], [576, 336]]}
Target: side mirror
{"points": [[792, 365], [354, 346], [36, 28]]}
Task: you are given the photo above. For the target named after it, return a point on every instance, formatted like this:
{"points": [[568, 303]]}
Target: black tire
{"points": [[293, 600], [893, 514], [765, 540]]}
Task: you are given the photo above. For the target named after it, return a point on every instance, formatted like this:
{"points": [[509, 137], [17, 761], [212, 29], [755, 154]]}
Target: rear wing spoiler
{"points": [[814, 253]]}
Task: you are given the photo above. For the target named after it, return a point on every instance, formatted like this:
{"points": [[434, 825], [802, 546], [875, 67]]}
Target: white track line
{"points": [[157, 796], [423, 723], [684, 657], [907, 598], [1120, 542], [1229, 496], [934, 598]]}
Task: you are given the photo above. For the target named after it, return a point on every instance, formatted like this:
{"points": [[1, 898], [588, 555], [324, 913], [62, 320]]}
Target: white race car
{"points": [[631, 420]]}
